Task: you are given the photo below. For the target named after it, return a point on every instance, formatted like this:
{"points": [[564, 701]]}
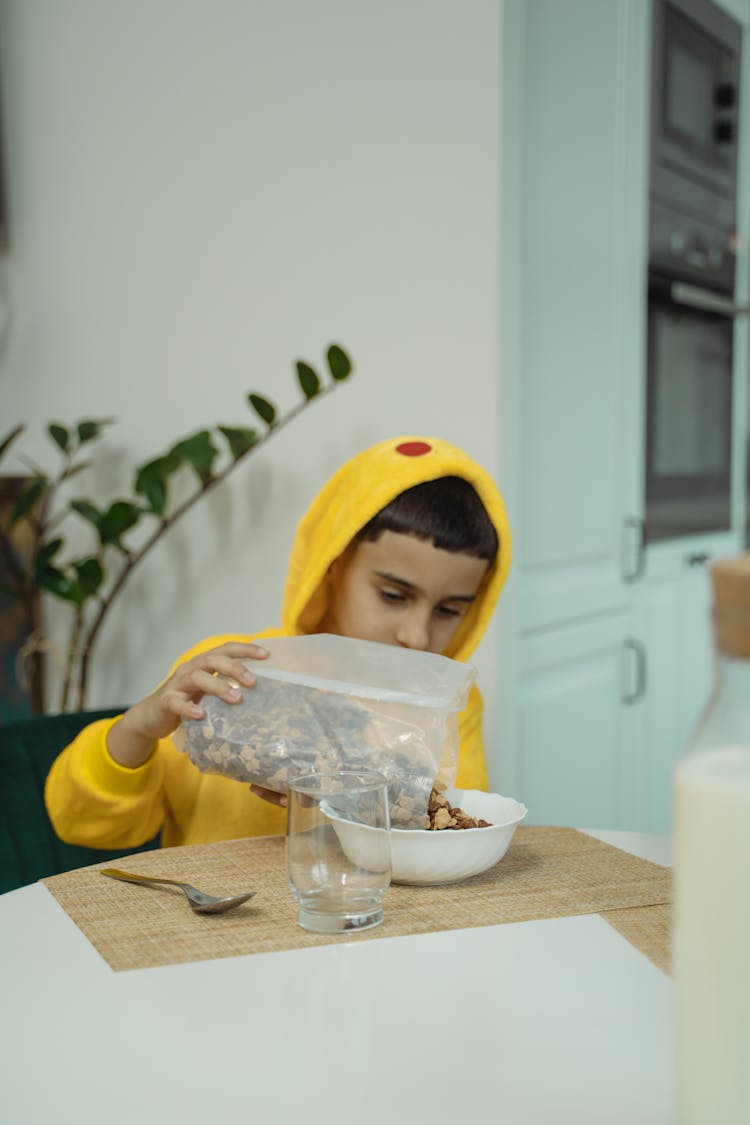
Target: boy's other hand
{"points": [[269, 795]]}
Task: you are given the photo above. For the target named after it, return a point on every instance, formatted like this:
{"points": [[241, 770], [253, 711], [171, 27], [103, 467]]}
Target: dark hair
{"points": [[446, 511]]}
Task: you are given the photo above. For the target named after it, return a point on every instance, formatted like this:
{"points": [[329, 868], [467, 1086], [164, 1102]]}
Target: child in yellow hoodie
{"points": [[407, 544]]}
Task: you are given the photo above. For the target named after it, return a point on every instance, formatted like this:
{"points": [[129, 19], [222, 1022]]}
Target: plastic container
{"points": [[326, 701]]}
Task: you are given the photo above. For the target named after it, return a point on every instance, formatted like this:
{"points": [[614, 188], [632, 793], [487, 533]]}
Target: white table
{"points": [[537, 1023]]}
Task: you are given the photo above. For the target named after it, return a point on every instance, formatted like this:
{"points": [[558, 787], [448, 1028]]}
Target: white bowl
{"points": [[423, 858]]}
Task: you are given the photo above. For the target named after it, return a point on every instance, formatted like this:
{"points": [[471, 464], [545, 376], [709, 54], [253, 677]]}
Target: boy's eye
{"points": [[449, 611], [393, 597]]}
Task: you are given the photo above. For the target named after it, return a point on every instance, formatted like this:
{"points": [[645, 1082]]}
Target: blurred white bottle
{"points": [[711, 943]]}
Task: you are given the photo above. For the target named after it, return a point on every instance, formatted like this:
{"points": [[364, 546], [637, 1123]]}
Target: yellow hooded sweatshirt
{"points": [[92, 800]]}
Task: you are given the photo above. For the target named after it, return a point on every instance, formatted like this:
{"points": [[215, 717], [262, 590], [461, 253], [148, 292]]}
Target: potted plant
{"points": [[33, 509]]}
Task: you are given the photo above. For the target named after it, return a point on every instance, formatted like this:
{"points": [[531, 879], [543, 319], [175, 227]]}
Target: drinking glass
{"points": [[338, 848]]}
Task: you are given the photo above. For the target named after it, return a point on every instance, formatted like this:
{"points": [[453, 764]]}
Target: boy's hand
{"points": [[218, 672], [269, 795]]}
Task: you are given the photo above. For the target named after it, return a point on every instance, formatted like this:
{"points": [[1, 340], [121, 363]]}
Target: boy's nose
{"points": [[413, 632]]}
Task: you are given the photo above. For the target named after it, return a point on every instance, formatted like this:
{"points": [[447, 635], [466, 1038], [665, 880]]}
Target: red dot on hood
{"points": [[413, 448]]}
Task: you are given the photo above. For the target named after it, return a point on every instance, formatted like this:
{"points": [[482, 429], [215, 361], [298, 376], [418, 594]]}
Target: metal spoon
{"points": [[199, 900]]}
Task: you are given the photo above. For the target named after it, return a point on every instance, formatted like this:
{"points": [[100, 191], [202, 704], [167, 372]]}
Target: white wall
{"points": [[202, 192]]}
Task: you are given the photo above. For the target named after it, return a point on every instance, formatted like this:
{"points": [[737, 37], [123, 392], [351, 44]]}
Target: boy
{"points": [[407, 544]]}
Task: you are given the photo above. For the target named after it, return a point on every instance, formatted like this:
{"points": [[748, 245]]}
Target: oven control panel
{"points": [[683, 246]]}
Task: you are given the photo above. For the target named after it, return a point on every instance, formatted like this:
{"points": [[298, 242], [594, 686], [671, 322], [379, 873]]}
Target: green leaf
{"points": [[90, 575], [6, 443], [153, 488], [56, 582], [31, 494], [43, 557], [339, 363], [151, 481], [154, 492], [88, 510], [239, 441], [90, 428], [59, 435], [198, 451], [118, 519], [308, 379], [263, 408]]}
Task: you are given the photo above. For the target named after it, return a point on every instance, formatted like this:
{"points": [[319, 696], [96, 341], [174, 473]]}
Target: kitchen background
{"points": [[461, 195], [628, 467]]}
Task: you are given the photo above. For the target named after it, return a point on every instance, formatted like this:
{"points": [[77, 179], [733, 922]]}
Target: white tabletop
{"points": [[549, 1022]]}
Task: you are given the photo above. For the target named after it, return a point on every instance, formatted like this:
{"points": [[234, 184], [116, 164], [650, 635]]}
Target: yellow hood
{"points": [[356, 493]]}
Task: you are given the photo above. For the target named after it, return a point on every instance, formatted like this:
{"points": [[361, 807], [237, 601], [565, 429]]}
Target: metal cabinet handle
{"points": [[700, 558], [638, 649], [705, 300], [633, 570]]}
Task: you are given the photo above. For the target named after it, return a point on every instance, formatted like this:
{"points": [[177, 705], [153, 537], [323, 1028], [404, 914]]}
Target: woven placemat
{"points": [[648, 928], [546, 873]]}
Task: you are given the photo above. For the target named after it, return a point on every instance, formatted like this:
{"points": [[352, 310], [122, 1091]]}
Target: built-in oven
{"points": [[688, 409], [694, 108], [693, 242]]}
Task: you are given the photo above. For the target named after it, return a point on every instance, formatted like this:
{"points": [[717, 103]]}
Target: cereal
{"points": [[442, 815]]}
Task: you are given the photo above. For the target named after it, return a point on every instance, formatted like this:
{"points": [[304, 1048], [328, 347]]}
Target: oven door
{"points": [[688, 410]]}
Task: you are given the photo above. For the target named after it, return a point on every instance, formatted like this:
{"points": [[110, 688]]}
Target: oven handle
{"points": [[696, 298]]}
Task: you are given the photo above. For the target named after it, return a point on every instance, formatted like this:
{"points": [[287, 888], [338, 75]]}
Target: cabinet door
{"points": [[673, 620], [579, 708], [582, 248]]}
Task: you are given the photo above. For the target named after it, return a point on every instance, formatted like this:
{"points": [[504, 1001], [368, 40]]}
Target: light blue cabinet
{"points": [[575, 183], [578, 714], [582, 155], [606, 653], [672, 618]]}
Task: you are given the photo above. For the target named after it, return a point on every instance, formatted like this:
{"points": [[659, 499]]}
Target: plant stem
{"points": [[70, 660]]}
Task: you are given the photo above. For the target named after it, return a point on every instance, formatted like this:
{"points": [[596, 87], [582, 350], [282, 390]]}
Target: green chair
{"points": [[29, 846]]}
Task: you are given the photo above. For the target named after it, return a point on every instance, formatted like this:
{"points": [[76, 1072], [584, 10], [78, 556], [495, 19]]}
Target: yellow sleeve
{"points": [[472, 767], [94, 801]]}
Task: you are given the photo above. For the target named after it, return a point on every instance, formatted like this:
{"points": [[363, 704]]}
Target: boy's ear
{"points": [[338, 565], [334, 568]]}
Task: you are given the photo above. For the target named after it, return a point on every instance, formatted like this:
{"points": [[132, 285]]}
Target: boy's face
{"points": [[400, 590]]}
